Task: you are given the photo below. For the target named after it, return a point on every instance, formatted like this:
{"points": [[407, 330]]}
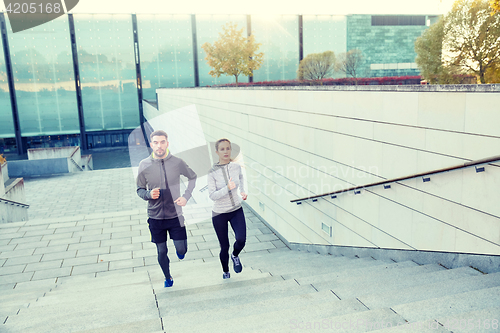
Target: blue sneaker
{"points": [[226, 275], [169, 282], [237, 263], [180, 256]]}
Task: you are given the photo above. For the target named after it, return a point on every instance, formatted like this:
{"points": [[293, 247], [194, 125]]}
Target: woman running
{"points": [[224, 179]]}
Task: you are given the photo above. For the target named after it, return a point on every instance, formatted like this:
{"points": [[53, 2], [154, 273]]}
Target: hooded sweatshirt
{"points": [[225, 200], [165, 174]]}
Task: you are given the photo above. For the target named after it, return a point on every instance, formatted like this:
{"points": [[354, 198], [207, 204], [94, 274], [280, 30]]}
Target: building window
{"points": [[398, 20]]}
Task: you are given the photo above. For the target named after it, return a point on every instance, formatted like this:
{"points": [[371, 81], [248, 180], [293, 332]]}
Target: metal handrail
{"points": [[79, 167], [422, 174], [7, 201]]}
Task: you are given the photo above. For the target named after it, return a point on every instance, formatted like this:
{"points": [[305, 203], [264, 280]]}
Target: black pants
{"points": [[220, 222]]}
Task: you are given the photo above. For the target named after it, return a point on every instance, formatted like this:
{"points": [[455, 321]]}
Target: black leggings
{"points": [[180, 247], [237, 220]]}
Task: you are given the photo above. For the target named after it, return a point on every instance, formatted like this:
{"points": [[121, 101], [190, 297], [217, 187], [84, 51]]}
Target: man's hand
{"points": [[181, 201], [231, 185], [155, 193], [243, 195]]}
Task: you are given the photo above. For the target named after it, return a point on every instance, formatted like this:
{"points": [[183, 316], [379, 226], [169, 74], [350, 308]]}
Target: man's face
{"points": [[159, 144]]}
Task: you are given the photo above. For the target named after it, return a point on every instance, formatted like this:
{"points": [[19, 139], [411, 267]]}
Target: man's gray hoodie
{"points": [[164, 174]]}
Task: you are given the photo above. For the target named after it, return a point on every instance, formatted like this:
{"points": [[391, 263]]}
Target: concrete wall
{"points": [[53, 152], [27, 168], [15, 191], [299, 143]]}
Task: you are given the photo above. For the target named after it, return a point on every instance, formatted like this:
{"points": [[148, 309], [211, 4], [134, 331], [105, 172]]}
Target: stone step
{"points": [[368, 270], [421, 275], [485, 320], [314, 316], [208, 315], [174, 306], [451, 305], [465, 279]]}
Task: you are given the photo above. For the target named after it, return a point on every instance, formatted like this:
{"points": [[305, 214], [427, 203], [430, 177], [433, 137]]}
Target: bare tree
{"points": [[349, 63], [316, 66]]}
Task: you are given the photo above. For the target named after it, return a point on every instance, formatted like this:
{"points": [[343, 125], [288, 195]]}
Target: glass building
{"points": [[81, 79]]}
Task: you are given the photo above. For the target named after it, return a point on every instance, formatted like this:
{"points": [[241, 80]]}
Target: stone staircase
{"points": [[278, 291]]}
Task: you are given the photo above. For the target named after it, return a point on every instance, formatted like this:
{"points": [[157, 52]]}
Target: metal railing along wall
{"points": [[478, 164], [13, 203]]}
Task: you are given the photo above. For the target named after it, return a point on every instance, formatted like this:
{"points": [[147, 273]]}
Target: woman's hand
{"points": [[243, 195], [231, 185]]}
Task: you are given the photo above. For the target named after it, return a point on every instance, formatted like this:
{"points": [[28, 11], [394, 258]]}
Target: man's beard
{"points": [[157, 154]]}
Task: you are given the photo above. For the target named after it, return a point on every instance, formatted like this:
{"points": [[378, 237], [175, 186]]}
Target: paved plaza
{"points": [[92, 224]]}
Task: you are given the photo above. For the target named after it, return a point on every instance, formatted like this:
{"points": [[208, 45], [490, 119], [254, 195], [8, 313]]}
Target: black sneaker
{"points": [[226, 275], [237, 263]]}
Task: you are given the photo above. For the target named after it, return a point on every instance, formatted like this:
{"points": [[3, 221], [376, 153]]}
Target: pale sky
{"points": [[267, 7]]}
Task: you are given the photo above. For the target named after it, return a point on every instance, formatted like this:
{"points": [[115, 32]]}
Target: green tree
{"points": [[470, 43], [350, 62], [429, 49], [316, 66], [233, 54]]}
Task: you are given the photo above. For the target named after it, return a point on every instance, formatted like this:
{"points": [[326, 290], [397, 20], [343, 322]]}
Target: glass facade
{"points": [[42, 66], [324, 33], [6, 120], [107, 71], [280, 44], [44, 80], [208, 28], [166, 48]]}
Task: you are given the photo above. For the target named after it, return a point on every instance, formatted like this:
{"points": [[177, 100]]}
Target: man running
{"points": [[158, 182]]}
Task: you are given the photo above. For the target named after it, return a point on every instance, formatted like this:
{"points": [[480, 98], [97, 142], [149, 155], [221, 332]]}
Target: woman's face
{"points": [[224, 152]]}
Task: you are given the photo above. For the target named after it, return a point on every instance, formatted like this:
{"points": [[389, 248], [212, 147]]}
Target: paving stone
{"points": [[86, 233], [93, 268], [31, 239], [130, 263], [39, 232], [62, 225], [97, 226], [51, 273], [14, 254], [93, 250], [7, 270], [59, 255], [43, 265], [86, 245], [32, 246], [267, 237], [116, 229], [95, 237], [68, 230], [22, 260], [14, 278], [8, 248], [66, 235], [134, 233], [147, 253], [80, 261], [126, 247], [119, 241], [115, 256], [51, 249], [64, 241]]}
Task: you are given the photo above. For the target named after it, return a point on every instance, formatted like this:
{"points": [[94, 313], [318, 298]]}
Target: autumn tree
{"points": [[495, 5], [316, 66], [350, 62], [470, 42], [233, 54]]}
